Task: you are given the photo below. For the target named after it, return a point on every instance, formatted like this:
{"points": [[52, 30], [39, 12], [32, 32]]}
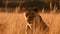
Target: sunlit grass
{"points": [[15, 23]]}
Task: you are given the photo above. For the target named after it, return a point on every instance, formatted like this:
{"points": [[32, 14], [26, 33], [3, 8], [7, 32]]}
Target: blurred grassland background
{"points": [[12, 22]]}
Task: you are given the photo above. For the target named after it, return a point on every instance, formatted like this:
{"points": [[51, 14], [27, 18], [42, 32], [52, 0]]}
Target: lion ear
{"points": [[35, 9], [24, 9]]}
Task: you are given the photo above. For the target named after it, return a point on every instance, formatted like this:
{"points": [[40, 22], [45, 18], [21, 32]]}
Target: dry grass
{"points": [[14, 23]]}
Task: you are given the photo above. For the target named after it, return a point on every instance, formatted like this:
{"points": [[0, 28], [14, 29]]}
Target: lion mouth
{"points": [[30, 20]]}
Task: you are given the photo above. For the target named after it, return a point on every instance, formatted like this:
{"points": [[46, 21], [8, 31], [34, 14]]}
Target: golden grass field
{"points": [[14, 23]]}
